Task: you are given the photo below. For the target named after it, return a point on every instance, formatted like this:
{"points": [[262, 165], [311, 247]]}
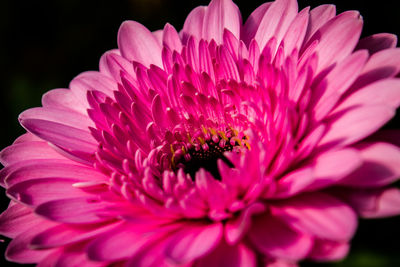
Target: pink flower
{"points": [[220, 145]]}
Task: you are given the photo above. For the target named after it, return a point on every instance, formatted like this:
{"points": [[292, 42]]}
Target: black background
{"points": [[44, 44]]}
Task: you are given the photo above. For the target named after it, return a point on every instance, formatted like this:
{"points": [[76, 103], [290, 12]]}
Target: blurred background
{"points": [[44, 44]]}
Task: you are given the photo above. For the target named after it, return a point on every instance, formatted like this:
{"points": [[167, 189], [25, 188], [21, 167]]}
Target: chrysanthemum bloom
{"points": [[220, 145]]}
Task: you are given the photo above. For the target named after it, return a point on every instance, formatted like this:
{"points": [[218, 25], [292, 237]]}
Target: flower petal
{"points": [[276, 22], [318, 17], [37, 191], [326, 250], [75, 210], [17, 219], [27, 151], [137, 43], [232, 256], [62, 234], [354, 124], [193, 242], [221, 15], [272, 237], [337, 38], [193, 25], [377, 42], [373, 203], [318, 214], [381, 166]]}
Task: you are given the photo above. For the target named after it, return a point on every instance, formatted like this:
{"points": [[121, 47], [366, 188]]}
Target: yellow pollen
{"points": [[202, 141], [222, 134]]}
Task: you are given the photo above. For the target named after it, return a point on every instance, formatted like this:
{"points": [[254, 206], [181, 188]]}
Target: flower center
{"points": [[205, 150]]}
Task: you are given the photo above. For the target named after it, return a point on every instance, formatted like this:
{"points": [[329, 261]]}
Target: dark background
{"points": [[44, 44]]}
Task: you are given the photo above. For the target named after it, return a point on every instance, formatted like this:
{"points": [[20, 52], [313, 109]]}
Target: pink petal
{"points": [[27, 151], [92, 81], [381, 166], [276, 21], [318, 214], [253, 21], [337, 38], [377, 42], [376, 203], [330, 167], [48, 168], [383, 92], [193, 25], [326, 250], [232, 256], [75, 210], [221, 15], [294, 182], [37, 191], [355, 124], [171, 38], [62, 99], [62, 235], [79, 143], [137, 43], [119, 243], [193, 241], [17, 219], [381, 65], [113, 64], [318, 17], [272, 237], [76, 258], [19, 251], [66, 117], [295, 34], [337, 82], [236, 228]]}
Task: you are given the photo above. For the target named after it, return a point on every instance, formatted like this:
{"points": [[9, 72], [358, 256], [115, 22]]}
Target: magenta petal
{"points": [[137, 43], [318, 214], [294, 182], [236, 228], [193, 242], [18, 250], [272, 237], [72, 139], [232, 256], [62, 235], [325, 250], [119, 243], [75, 210], [221, 15]]}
